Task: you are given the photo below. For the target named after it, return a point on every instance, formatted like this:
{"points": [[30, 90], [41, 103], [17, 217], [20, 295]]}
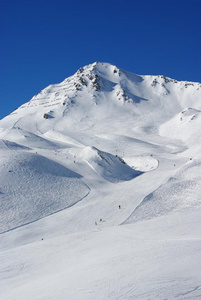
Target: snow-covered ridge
{"points": [[102, 77], [112, 168], [101, 91]]}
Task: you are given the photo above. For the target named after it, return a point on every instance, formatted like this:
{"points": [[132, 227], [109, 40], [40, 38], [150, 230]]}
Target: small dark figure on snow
{"points": [[101, 220], [95, 223], [119, 206]]}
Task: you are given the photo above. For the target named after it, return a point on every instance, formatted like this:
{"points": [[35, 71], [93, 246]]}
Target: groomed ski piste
{"points": [[100, 184]]}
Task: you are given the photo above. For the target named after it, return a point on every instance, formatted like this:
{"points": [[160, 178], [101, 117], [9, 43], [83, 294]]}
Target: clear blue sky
{"points": [[43, 42]]}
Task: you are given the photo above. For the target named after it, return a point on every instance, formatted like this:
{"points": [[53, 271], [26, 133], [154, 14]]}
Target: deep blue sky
{"points": [[43, 42]]}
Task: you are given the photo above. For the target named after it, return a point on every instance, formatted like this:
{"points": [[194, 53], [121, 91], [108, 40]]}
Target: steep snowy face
{"points": [[100, 92], [78, 98]]}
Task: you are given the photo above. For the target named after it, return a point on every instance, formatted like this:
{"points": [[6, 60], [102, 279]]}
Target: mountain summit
{"points": [[103, 95]]}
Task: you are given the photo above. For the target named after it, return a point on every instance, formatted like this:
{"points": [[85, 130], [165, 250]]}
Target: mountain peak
{"points": [[98, 92], [99, 70]]}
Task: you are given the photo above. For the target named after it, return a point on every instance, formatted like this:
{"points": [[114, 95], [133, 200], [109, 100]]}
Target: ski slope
{"points": [[73, 154]]}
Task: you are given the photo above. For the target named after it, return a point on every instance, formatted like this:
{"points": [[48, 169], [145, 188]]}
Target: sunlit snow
{"points": [[100, 190]]}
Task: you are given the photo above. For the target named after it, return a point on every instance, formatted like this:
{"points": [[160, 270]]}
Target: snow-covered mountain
{"points": [[99, 97], [100, 189]]}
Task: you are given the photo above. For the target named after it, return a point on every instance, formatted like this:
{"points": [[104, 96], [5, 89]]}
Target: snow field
{"points": [[69, 157]]}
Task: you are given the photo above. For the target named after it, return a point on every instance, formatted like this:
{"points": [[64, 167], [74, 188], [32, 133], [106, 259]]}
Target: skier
{"points": [[119, 206]]}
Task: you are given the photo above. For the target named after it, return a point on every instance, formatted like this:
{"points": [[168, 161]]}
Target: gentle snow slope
{"points": [[33, 187]]}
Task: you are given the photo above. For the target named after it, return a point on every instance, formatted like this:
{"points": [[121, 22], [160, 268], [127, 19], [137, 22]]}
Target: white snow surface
{"points": [[73, 154]]}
